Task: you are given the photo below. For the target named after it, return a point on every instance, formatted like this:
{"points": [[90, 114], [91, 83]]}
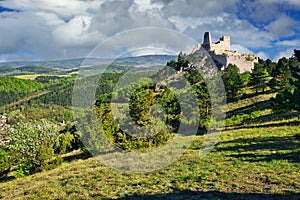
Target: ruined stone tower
{"points": [[207, 42], [223, 56], [220, 47]]}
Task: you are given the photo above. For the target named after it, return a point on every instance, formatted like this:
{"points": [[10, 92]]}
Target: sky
{"points": [[64, 29]]}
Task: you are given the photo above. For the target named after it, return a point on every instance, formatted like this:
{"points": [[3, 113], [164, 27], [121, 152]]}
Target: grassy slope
{"points": [[257, 163]]}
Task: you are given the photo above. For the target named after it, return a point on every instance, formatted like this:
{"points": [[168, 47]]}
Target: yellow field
{"points": [[33, 76]]}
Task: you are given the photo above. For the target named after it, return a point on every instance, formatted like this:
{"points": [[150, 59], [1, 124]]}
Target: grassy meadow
{"points": [[260, 163], [256, 159]]}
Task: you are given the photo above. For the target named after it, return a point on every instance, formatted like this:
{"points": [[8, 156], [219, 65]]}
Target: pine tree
{"points": [[259, 77], [232, 80]]}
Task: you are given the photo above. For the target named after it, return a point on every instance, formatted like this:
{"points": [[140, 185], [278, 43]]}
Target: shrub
{"points": [[5, 163], [245, 77], [32, 147], [249, 58], [22, 171], [64, 144], [242, 117]]}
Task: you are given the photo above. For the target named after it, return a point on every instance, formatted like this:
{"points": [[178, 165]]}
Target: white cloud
{"points": [[259, 10], [262, 55], [295, 4], [288, 53], [241, 31], [195, 8], [43, 29], [58, 29], [283, 26], [245, 50], [266, 10], [45, 36], [118, 16], [75, 33], [18, 30], [241, 49], [65, 8], [144, 40], [289, 43], [50, 18], [144, 5]]}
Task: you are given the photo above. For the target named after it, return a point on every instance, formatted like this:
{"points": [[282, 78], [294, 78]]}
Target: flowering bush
{"points": [[32, 147]]}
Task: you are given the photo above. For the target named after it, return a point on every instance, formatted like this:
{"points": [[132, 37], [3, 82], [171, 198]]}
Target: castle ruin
{"points": [[223, 56]]}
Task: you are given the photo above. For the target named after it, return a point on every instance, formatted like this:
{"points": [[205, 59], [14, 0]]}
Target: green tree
{"points": [[232, 80], [294, 66], [173, 64], [182, 61], [259, 77], [287, 100], [139, 105], [297, 54], [245, 77], [282, 73], [270, 66]]}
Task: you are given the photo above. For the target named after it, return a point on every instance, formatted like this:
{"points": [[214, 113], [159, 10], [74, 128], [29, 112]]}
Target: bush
{"points": [[242, 118], [245, 77], [5, 163], [22, 171], [249, 58], [32, 147], [69, 140]]}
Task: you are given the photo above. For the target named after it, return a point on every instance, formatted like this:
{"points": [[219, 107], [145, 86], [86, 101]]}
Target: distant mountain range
{"points": [[148, 60]]}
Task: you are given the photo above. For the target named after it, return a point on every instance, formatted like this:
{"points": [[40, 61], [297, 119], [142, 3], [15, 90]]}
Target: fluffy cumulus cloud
{"points": [[64, 29], [23, 30], [195, 8], [76, 33], [113, 17], [262, 55], [240, 48], [241, 31], [44, 29], [284, 26], [56, 29], [287, 53]]}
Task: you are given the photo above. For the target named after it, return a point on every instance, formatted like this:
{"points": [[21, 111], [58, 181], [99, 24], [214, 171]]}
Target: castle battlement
{"points": [[221, 53]]}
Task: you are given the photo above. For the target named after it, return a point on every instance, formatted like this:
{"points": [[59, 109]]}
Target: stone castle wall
{"points": [[221, 59], [220, 52], [244, 62], [222, 46]]}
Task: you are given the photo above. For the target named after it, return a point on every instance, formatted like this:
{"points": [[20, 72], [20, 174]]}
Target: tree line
{"points": [[281, 77]]}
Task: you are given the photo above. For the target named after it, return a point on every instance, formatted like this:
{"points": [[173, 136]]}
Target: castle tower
{"points": [[207, 41], [226, 40]]}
